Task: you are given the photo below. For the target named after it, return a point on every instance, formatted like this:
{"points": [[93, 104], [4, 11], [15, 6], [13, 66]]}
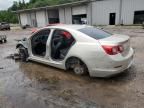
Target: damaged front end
{"points": [[22, 42], [22, 47]]}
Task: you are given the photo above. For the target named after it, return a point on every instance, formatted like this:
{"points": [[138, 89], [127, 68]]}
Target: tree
{"points": [[23, 1], [41, 3], [32, 1], [14, 7], [9, 16]]}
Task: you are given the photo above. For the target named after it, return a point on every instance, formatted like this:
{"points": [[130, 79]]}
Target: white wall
{"points": [[68, 15], [33, 19], [128, 8], [102, 9], [62, 15], [28, 19], [79, 10], [97, 11], [41, 18], [23, 18], [65, 14], [89, 14]]}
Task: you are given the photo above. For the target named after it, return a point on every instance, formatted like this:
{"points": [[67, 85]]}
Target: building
{"points": [[92, 12]]}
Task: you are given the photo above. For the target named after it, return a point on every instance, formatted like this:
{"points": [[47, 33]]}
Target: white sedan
{"points": [[82, 48]]}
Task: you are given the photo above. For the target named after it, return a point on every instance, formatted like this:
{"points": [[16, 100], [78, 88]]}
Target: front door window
{"points": [[39, 42]]}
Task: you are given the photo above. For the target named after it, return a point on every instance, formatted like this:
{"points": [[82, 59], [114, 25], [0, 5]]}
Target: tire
{"points": [[5, 41], [78, 67], [23, 53], [1, 41]]}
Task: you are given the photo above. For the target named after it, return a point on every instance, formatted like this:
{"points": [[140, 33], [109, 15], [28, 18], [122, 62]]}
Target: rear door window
{"points": [[60, 44], [95, 32]]}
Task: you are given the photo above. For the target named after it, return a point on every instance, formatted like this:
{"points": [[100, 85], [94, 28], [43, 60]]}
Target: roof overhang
{"points": [[54, 6]]}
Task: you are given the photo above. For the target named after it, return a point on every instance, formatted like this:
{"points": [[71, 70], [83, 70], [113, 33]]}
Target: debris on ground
{"points": [[67, 94], [14, 56], [3, 39], [34, 85], [1, 68], [50, 80]]}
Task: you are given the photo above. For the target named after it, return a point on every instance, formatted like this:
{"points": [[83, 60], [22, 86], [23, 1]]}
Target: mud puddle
{"points": [[33, 85]]}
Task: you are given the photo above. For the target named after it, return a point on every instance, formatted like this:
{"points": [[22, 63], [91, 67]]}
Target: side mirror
{"points": [[24, 39]]}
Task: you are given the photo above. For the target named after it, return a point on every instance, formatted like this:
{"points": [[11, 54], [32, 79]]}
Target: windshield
{"points": [[95, 32]]}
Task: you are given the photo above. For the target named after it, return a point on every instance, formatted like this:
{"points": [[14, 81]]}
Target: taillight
{"points": [[113, 50], [120, 48]]}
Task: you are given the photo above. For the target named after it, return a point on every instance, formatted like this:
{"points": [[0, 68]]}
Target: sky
{"points": [[5, 4]]}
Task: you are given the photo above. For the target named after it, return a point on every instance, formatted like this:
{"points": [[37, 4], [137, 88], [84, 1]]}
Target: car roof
{"points": [[3, 22], [66, 26]]}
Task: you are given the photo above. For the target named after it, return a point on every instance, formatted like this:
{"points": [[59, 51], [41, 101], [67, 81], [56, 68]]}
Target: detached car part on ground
{"points": [[85, 49], [3, 39], [25, 26]]}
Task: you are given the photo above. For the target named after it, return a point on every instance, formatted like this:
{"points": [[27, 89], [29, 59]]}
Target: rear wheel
{"points": [[1, 41], [77, 66], [9, 29], [80, 69]]}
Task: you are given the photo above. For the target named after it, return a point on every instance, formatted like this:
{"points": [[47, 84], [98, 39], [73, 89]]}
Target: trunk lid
{"points": [[117, 39]]}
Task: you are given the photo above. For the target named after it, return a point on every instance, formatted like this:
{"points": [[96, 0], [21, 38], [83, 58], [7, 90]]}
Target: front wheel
{"points": [[23, 53]]}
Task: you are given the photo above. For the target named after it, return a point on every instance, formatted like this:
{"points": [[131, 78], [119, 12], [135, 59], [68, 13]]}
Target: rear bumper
{"points": [[121, 66]]}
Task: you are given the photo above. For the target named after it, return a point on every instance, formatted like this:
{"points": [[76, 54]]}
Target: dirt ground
{"points": [[33, 85]]}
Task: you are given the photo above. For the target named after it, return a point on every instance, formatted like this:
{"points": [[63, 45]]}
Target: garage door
{"points": [[23, 18], [33, 19], [41, 18], [53, 16], [79, 10]]}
